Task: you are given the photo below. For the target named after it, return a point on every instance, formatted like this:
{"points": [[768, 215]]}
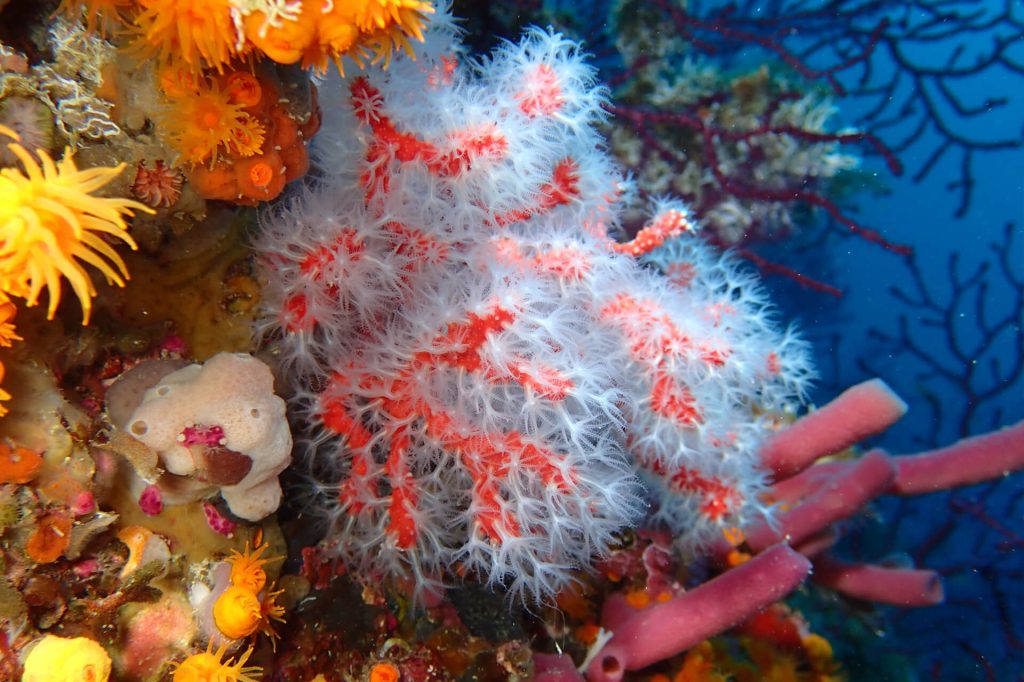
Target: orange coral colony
{"points": [[240, 611], [50, 538], [18, 465], [209, 121], [197, 32], [235, 137], [318, 34]]}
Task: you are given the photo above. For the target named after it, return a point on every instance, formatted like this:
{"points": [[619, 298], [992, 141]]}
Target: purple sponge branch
{"points": [[897, 586], [666, 629], [971, 460], [840, 497], [858, 412]]}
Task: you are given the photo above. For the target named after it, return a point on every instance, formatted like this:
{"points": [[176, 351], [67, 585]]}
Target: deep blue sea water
{"points": [[963, 375], [944, 89], [956, 361]]}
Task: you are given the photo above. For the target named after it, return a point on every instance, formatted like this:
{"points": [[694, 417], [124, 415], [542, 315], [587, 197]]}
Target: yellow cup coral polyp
{"points": [[210, 666], [237, 612], [247, 566], [50, 223], [59, 659]]}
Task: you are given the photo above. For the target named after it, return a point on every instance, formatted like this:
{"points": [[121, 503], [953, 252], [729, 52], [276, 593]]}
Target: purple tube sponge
{"points": [[669, 628]]}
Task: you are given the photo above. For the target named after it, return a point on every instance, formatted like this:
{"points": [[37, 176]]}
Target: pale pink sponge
{"points": [[217, 426], [493, 385]]}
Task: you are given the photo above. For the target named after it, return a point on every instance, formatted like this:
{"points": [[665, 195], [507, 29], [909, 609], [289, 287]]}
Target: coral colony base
{"points": [[488, 381]]}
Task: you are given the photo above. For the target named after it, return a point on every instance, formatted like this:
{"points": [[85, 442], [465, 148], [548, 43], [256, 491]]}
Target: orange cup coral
{"points": [[240, 611], [50, 221], [243, 88], [247, 566], [210, 34], [237, 134], [318, 33], [208, 121], [237, 612], [260, 178], [210, 666], [197, 32]]}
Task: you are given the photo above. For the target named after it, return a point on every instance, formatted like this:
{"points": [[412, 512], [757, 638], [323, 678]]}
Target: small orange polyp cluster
{"points": [[213, 33], [207, 121], [236, 133], [322, 32], [196, 32]]}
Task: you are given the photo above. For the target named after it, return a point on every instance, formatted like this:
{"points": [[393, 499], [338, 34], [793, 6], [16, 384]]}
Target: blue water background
{"points": [[979, 633], [973, 536]]}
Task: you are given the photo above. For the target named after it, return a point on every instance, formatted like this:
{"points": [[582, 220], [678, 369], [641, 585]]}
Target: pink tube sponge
{"points": [[858, 412], [666, 629], [218, 426], [897, 586], [969, 461], [838, 497]]}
